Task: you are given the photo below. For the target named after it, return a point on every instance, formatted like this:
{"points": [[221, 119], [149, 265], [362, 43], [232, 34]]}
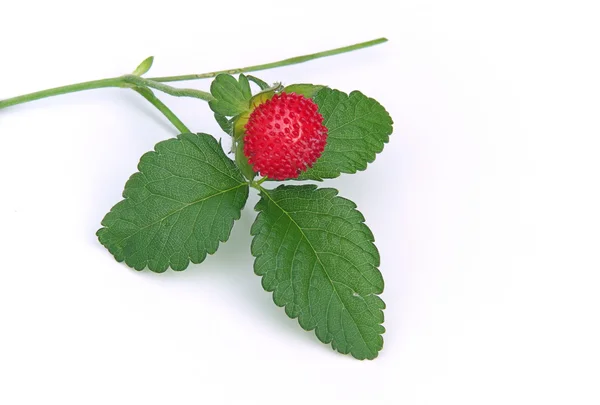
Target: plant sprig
{"points": [[312, 248], [126, 81]]}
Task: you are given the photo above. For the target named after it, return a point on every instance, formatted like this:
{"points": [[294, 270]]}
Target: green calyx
{"points": [[242, 161], [239, 130], [241, 120], [306, 90]]}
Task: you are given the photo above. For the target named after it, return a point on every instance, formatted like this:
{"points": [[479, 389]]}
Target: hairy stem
{"points": [[165, 88], [285, 62], [160, 106], [134, 81], [72, 88], [126, 81]]}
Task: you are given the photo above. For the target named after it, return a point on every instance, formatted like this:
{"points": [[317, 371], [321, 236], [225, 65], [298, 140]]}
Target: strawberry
{"points": [[284, 136]]}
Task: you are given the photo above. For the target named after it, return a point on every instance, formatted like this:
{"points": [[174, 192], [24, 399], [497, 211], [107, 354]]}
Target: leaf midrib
{"points": [[265, 192], [179, 210], [236, 89]]}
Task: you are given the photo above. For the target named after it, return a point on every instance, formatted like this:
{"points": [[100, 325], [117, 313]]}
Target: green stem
{"points": [[122, 81], [165, 88], [149, 95], [261, 181], [72, 88], [129, 81], [285, 62]]}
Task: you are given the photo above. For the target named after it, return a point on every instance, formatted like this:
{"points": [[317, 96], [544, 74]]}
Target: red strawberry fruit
{"points": [[284, 136]]}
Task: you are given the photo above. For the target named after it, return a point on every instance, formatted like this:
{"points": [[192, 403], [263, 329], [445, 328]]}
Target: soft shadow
{"points": [[231, 267]]}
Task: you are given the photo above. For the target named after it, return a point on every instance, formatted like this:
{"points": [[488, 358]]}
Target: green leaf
{"points": [[241, 160], [260, 83], [358, 129], [225, 123], [306, 90], [177, 208], [232, 97], [245, 86], [144, 67], [317, 256]]}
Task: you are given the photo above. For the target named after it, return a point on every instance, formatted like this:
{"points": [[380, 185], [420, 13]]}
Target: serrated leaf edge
{"points": [[254, 231], [121, 258], [369, 160]]}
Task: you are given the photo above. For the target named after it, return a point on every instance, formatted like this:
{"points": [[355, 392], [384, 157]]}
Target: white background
{"points": [[485, 206]]}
